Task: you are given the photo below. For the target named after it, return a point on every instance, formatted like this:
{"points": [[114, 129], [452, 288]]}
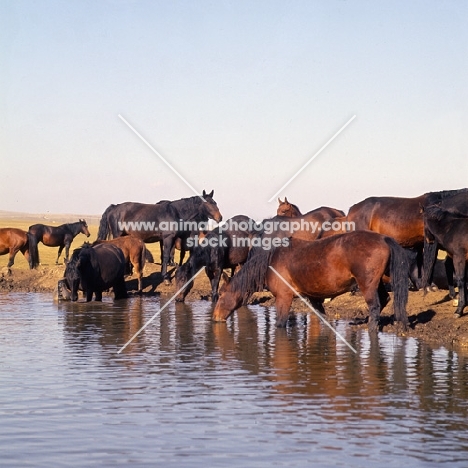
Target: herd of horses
{"points": [[394, 244]]}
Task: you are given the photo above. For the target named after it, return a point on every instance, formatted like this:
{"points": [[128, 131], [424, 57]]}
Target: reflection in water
{"points": [[242, 390]]}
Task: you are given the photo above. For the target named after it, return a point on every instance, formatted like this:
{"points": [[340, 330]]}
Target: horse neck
{"points": [[187, 208], [74, 228]]}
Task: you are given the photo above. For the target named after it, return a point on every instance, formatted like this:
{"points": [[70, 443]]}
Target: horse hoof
{"points": [[455, 303], [457, 315], [167, 282]]}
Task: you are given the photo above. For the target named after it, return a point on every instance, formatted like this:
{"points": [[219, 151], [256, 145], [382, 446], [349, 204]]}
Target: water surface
{"points": [[189, 392]]}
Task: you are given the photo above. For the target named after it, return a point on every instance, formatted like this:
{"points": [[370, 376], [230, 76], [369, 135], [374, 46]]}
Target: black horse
{"points": [[450, 232], [159, 222], [95, 269], [217, 250], [457, 205], [59, 236]]}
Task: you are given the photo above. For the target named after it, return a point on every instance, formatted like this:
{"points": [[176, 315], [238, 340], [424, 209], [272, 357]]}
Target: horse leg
{"points": [[215, 279], [60, 253], [284, 300], [89, 295], [120, 289], [162, 250], [167, 249], [11, 258], [459, 264], [371, 295], [449, 271], [182, 254], [384, 297]]}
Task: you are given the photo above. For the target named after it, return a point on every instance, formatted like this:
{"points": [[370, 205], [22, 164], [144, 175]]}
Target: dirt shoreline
{"points": [[431, 316]]}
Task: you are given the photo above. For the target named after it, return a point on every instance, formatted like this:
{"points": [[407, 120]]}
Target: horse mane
{"points": [[433, 198], [251, 277], [436, 213]]}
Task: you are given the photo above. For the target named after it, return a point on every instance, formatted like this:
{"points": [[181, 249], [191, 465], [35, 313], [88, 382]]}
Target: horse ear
{"points": [[286, 200], [279, 201], [211, 194], [204, 194], [226, 278]]}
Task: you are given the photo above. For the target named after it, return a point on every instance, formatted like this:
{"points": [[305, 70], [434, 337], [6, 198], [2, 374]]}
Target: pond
{"points": [[189, 392]]}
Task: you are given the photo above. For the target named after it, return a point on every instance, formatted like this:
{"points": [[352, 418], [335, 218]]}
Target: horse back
{"points": [[400, 218], [111, 262]]}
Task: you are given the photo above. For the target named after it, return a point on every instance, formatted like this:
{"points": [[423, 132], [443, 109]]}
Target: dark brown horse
{"points": [[400, 218], [59, 236], [219, 249], [322, 269], [288, 209], [158, 222], [450, 232], [134, 251], [13, 240], [94, 270]]}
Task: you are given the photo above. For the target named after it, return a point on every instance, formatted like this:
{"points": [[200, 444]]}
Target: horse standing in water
{"points": [[13, 240], [322, 269], [60, 236], [158, 222], [134, 251]]}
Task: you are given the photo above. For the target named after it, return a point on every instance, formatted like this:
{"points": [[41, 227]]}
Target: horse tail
{"points": [[148, 255], [399, 274], [251, 277], [33, 251], [429, 258], [103, 232]]}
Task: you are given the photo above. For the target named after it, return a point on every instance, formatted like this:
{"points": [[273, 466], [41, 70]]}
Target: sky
{"points": [[236, 95]]}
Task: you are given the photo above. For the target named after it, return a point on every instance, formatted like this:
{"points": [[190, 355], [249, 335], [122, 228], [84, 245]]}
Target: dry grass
{"points": [[48, 255]]}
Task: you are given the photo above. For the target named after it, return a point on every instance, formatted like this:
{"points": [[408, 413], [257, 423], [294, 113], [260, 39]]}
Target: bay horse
{"points": [[450, 232], [321, 269], [289, 209], [13, 240], [59, 236], [134, 251], [400, 218], [95, 269], [158, 222], [218, 251]]}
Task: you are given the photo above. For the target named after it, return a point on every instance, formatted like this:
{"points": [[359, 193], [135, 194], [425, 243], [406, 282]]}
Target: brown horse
{"points": [[13, 240], [59, 236], [322, 269], [400, 218], [288, 209], [134, 251]]}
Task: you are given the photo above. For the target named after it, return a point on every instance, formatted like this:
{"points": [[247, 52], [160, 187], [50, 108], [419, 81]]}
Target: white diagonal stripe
{"points": [[159, 311]]}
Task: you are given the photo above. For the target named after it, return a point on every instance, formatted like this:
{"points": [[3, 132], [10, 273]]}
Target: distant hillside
{"points": [[51, 218]]}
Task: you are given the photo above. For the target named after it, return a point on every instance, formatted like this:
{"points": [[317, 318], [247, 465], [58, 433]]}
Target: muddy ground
{"points": [[431, 316]]}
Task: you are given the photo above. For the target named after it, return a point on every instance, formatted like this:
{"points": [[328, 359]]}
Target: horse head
{"points": [[73, 274], [84, 227], [210, 208]]}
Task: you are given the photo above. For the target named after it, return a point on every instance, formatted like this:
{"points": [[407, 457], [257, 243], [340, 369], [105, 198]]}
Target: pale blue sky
{"points": [[237, 95]]}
